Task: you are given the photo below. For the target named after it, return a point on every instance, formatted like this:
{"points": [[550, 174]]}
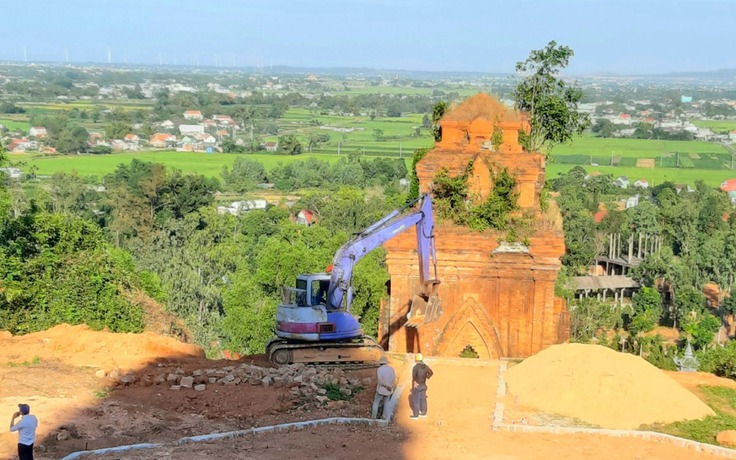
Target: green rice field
{"points": [[188, 162], [717, 126], [14, 124], [654, 160]]}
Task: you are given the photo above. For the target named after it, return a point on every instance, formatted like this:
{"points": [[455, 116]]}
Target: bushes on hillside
{"points": [[58, 269]]}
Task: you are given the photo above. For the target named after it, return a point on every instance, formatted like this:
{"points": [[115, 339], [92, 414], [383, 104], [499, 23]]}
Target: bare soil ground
{"points": [[79, 410], [645, 163]]}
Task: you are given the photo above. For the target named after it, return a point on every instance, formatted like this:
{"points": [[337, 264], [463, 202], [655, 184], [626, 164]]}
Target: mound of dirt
{"points": [[603, 387], [80, 346]]}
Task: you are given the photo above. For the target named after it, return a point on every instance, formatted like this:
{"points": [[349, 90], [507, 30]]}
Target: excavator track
{"points": [[358, 353]]}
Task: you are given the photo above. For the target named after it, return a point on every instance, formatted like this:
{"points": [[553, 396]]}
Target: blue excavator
{"points": [[314, 324]]}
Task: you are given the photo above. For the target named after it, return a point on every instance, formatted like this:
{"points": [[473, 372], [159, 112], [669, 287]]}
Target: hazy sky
{"points": [[619, 36]]}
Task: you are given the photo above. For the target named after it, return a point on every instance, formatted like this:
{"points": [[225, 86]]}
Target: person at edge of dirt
{"points": [[386, 377], [26, 428], [419, 376]]}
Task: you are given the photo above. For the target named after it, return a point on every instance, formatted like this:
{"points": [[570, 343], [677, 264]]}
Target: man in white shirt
{"points": [[385, 388], [26, 429]]}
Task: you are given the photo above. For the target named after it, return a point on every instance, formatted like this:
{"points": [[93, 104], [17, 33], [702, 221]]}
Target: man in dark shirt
{"points": [[419, 376]]}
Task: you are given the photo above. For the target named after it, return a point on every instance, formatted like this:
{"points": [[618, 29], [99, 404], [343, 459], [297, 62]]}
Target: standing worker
{"points": [[419, 376], [26, 429], [385, 388]]}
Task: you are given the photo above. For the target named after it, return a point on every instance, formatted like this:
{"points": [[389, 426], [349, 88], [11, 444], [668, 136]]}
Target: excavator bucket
{"points": [[424, 309]]}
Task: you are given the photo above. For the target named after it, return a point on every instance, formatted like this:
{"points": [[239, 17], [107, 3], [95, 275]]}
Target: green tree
{"points": [[550, 103], [73, 139], [604, 128], [244, 175], [117, 130], [647, 310], [289, 145], [588, 316], [438, 111], [249, 314]]}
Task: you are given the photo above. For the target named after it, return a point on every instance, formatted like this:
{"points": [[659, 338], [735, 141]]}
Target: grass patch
{"points": [[34, 361], [722, 401], [334, 393], [102, 393]]}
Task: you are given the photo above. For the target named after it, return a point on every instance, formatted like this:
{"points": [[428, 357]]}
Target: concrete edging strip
{"points": [[229, 434]]}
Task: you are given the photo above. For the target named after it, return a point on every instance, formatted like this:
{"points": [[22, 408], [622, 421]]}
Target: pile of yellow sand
{"points": [[602, 387]]}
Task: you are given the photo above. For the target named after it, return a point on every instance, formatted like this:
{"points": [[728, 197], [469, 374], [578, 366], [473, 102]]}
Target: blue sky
{"points": [[617, 36]]}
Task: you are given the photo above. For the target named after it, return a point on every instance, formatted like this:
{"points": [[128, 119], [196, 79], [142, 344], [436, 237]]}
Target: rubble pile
{"points": [[302, 381]]}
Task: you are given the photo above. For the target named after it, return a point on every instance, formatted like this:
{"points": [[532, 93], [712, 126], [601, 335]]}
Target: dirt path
{"points": [[458, 425], [59, 373]]}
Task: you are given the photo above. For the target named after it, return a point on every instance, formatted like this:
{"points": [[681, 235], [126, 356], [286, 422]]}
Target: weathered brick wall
{"points": [[502, 304]]}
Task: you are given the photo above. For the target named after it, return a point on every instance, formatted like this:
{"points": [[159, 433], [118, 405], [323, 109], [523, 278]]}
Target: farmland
{"points": [[654, 160], [397, 136], [676, 161], [15, 122], [717, 126], [187, 162]]}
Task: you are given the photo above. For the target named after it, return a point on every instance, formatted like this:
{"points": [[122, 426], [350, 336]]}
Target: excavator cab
{"points": [[425, 307], [314, 288]]}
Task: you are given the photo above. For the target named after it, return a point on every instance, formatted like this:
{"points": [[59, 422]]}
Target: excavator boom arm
{"points": [[373, 237]]}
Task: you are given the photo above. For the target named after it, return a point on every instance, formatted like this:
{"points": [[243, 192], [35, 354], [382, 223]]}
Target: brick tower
{"points": [[496, 297]]}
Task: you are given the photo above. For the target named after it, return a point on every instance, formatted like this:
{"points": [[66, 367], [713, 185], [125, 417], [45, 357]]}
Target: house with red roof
{"points": [[18, 145], [305, 217], [193, 115], [162, 140], [132, 138], [223, 120], [599, 216], [729, 185]]}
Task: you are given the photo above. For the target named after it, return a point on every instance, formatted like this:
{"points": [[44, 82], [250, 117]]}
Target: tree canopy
{"points": [[550, 103]]}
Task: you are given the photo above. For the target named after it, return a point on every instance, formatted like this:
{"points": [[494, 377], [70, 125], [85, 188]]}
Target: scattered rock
{"points": [[63, 435], [127, 379], [200, 387], [100, 374], [186, 382], [175, 387], [172, 378]]}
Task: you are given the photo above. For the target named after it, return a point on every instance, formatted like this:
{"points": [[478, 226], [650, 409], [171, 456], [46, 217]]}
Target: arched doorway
{"points": [[470, 327]]}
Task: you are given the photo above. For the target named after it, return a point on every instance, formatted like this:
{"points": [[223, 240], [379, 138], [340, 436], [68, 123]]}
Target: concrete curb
{"points": [[230, 434]]}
